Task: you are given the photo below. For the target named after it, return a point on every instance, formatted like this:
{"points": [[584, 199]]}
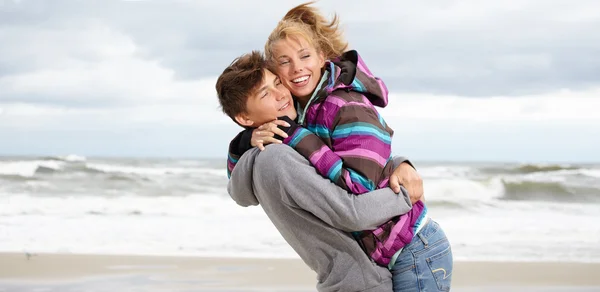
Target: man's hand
{"points": [[408, 177]]}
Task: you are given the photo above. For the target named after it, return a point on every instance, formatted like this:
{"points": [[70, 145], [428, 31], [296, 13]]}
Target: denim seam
{"points": [[430, 246], [440, 254]]}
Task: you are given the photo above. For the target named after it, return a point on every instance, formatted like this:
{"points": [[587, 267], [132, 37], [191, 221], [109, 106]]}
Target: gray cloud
{"points": [[510, 58], [469, 48]]}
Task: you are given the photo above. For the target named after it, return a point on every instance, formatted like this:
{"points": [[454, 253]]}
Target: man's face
{"points": [[270, 101]]}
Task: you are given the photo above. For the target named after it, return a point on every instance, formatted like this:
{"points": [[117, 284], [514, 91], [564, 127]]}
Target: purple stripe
{"points": [[335, 100], [339, 102], [376, 255], [325, 113], [366, 153], [328, 159], [316, 156], [355, 103], [383, 183], [363, 141], [385, 91], [402, 224], [378, 231], [355, 188]]}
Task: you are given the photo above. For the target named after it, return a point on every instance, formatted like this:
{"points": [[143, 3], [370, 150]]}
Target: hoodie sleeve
{"points": [[280, 171], [240, 186], [237, 147], [360, 144]]}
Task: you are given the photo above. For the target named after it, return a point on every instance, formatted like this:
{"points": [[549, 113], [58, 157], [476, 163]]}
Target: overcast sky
{"points": [[511, 80]]}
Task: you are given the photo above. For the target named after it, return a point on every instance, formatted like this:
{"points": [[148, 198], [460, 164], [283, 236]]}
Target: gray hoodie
{"points": [[312, 213]]}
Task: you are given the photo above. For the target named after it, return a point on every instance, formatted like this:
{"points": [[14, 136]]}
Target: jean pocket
{"points": [[441, 268]]}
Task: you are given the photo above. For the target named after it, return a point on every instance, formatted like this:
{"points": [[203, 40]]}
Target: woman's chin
{"points": [[301, 94]]}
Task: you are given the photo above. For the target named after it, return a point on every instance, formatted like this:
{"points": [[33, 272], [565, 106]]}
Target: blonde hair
{"points": [[306, 22]]}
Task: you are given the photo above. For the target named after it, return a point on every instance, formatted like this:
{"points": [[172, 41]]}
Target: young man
{"points": [[312, 214]]}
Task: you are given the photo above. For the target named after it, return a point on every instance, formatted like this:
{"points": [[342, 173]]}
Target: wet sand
{"points": [[99, 273]]}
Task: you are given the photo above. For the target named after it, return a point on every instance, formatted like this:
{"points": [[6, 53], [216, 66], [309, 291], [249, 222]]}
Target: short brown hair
{"points": [[238, 81]]}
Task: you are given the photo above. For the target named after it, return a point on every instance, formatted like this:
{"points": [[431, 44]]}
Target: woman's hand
{"points": [[265, 134], [408, 177]]}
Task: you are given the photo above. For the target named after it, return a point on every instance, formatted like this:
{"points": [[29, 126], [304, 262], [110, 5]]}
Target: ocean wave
{"points": [[548, 191], [28, 168], [462, 190], [445, 204], [590, 172], [132, 205], [529, 168], [153, 171], [125, 177], [17, 178], [446, 171], [66, 158], [78, 167]]}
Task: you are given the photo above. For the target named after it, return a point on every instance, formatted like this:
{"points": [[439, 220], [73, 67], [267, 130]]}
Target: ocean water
{"points": [[490, 211]]}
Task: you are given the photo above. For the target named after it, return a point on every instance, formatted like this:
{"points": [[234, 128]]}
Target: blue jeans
{"points": [[425, 264]]}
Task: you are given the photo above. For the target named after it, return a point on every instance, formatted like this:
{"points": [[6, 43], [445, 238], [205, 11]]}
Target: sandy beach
{"points": [[69, 272]]}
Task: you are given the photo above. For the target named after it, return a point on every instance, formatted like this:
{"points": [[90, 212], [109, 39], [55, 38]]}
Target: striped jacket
{"points": [[347, 141]]}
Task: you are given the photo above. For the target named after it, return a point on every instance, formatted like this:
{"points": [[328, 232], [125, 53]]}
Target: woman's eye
{"points": [[305, 56]]}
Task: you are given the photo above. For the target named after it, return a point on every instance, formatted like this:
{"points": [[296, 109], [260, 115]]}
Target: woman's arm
{"points": [[360, 147]]}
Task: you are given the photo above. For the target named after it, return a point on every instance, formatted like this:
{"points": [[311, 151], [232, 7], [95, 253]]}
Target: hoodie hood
{"points": [[350, 73]]}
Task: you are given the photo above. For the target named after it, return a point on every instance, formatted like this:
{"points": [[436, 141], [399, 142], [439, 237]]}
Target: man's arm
{"points": [[237, 147], [281, 168]]}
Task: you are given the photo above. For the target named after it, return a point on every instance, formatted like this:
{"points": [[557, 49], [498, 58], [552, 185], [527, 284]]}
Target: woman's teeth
{"points": [[300, 79]]}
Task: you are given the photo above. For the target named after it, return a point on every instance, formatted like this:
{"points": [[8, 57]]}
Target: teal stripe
{"points": [[232, 159], [419, 223], [319, 130], [365, 182], [334, 172], [332, 79], [358, 86], [302, 113], [361, 128], [300, 134], [381, 120]]}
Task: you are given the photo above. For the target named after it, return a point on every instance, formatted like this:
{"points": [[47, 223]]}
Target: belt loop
{"points": [[423, 239]]}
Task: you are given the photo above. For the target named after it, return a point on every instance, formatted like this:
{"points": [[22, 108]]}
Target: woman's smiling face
{"points": [[299, 65]]}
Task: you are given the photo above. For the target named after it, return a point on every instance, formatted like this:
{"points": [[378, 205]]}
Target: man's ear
{"points": [[244, 120]]}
